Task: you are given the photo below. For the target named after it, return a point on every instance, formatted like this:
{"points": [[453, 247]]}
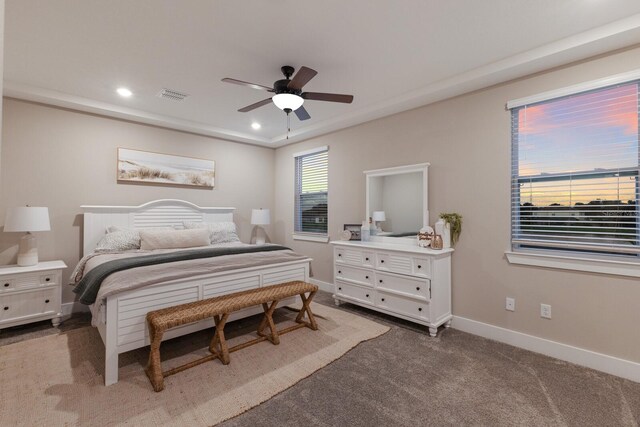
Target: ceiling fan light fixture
{"points": [[287, 100]]}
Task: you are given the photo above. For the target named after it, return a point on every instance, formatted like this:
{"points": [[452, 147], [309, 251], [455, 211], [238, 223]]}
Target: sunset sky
{"points": [[580, 133]]}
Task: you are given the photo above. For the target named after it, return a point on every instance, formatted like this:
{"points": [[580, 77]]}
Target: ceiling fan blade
{"points": [[301, 78], [331, 97], [251, 85], [254, 106], [302, 113]]}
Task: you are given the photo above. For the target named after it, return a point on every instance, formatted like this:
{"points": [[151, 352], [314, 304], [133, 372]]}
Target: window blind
{"points": [[575, 164], [311, 192]]}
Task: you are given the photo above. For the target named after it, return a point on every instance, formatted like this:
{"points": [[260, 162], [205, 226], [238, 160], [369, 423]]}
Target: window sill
{"points": [[320, 238], [567, 262]]}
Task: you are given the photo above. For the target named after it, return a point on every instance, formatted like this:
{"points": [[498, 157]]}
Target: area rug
{"points": [[58, 379]]}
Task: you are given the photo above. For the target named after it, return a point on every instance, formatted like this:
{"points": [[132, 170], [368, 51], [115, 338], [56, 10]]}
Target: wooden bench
{"points": [[219, 308]]}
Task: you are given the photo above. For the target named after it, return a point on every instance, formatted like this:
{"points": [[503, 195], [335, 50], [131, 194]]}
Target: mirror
{"points": [[397, 200]]}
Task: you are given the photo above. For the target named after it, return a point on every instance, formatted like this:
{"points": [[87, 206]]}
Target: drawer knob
{"points": [[366, 277], [339, 271], [367, 295], [6, 285], [46, 301], [366, 259], [339, 254], [6, 308], [380, 280], [417, 288], [382, 261], [419, 308], [48, 279], [382, 299], [419, 266], [339, 289]]}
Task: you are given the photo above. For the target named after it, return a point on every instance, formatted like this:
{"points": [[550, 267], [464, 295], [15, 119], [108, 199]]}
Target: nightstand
{"points": [[30, 294]]}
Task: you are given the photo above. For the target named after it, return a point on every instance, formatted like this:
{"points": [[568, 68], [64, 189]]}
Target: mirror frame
{"points": [[421, 167]]}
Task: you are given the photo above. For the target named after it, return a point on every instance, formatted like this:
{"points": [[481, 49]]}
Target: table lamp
{"points": [[378, 216], [27, 219], [260, 217]]}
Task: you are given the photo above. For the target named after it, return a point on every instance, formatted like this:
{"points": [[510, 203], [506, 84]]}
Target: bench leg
{"points": [[268, 320], [219, 340], [154, 367], [307, 309]]}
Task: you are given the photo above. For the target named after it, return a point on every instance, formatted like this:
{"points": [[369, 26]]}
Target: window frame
{"points": [[606, 263], [321, 237]]}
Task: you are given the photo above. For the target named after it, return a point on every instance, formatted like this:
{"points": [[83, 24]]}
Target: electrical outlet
{"points": [[545, 311], [510, 304]]}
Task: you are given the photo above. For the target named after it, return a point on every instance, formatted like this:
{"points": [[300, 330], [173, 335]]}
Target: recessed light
{"points": [[123, 91], [256, 125]]}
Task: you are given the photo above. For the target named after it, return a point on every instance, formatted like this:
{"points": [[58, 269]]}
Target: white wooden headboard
{"points": [[158, 213]]}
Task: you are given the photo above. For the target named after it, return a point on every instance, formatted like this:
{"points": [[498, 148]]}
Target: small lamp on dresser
{"points": [[260, 217], [27, 219]]}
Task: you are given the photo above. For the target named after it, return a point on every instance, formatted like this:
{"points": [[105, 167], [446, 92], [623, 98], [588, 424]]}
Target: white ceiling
{"points": [[391, 55]]}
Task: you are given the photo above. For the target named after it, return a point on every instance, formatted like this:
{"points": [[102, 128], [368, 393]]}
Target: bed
{"points": [[120, 317]]}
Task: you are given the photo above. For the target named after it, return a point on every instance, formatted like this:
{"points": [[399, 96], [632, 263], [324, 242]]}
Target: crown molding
{"points": [[613, 36]]}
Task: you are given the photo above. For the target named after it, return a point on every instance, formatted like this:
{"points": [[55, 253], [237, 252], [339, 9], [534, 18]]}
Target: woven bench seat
{"points": [[219, 308]]}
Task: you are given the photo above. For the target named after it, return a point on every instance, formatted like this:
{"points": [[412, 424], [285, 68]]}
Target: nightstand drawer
{"points": [[25, 304], [25, 281], [364, 277], [363, 295]]}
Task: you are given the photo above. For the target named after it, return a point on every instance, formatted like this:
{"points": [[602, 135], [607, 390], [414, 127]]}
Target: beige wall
{"points": [[467, 142], [63, 159]]}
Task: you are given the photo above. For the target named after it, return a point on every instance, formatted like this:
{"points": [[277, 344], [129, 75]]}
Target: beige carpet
{"points": [[57, 380]]}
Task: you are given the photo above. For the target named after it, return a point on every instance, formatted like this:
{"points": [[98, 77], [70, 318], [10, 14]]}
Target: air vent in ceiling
{"points": [[171, 94]]}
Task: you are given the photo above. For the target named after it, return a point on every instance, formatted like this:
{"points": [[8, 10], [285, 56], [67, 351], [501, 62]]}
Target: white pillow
{"points": [[219, 232], [119, 241], [173, 239]]}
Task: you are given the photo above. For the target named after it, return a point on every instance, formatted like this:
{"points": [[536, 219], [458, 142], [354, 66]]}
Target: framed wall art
{"points": [[145, 167]]}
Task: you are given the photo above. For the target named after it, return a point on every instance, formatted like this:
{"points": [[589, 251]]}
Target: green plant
{"points": [[455, 224]]}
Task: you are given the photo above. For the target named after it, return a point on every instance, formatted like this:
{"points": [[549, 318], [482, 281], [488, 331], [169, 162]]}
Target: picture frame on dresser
{"points": [[354, 229]]}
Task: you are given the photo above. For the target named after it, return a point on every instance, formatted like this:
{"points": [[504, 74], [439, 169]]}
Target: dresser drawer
{"points": [[25, 281], [361, 294], [405, 285], [356, 257], [421, 267], [396, 263], [363, 277], [407, 306], [24, 304]]}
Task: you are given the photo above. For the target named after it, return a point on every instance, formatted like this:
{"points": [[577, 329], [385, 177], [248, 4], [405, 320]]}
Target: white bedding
{"points": [[154, 274]]}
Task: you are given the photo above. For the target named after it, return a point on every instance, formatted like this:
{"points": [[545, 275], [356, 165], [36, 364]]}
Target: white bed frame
{"points": [[122, 324]]}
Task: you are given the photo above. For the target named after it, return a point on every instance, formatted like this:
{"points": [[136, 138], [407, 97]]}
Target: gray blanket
{"points": [[89, 286]]}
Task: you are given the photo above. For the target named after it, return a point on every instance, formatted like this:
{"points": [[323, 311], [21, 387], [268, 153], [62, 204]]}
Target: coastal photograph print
{"points": [[144, 167]]}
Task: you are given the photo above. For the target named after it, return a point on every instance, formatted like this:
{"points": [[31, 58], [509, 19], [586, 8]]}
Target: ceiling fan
{"points": [[288, 92]]}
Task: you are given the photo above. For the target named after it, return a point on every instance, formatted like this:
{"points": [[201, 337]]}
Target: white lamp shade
{"points": [[379, 216], [260, 217], [287, 100], [27, 218]]}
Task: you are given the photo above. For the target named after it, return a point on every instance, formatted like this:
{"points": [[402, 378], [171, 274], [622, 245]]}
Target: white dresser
{"points": [[30, 294], [405, 281]]}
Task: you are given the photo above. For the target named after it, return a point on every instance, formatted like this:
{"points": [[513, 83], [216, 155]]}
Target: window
{"points": [[575, 163], [311, 191]]}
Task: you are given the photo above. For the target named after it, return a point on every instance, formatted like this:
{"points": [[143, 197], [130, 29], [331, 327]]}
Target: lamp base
{"points": [[28, 251], [260, 236]]}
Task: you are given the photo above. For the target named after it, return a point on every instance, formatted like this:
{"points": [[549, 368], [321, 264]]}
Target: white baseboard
{"points": [[323, 286], [73, 307], [580, 356]]}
